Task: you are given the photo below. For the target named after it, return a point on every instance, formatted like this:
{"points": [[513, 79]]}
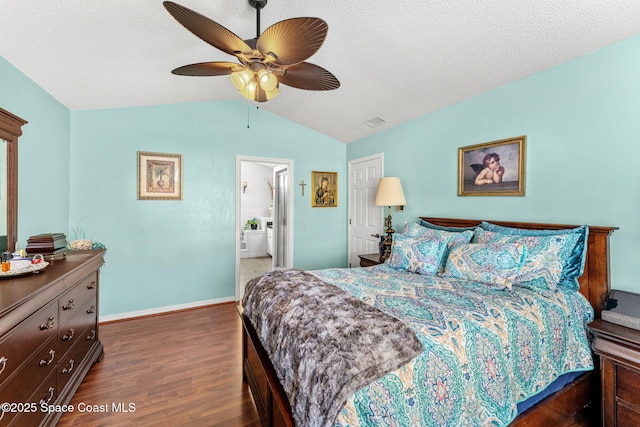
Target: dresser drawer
{"points": [[628, 385], [71, 362], [46, 393], [17, 345], [29, 413], [627, 415], [73, 330], [75, 298], [43, 362]]}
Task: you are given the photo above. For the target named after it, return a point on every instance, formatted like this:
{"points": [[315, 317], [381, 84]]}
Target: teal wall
{"points": [[163, 253], [43, 154], [582, 127], [79, 170]]}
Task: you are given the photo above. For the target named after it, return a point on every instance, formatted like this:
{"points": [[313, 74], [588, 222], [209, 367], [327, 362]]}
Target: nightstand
{"points": [[619, 351], [369, 260]]}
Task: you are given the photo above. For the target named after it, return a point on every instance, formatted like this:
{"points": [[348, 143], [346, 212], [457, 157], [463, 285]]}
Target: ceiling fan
{"points": [[273, 57]]}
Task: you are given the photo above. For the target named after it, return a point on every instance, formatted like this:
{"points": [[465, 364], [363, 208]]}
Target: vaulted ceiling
{"points": [[395, 59]]}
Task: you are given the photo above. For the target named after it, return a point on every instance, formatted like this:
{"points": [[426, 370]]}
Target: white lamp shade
{"points": [[390, 192]]}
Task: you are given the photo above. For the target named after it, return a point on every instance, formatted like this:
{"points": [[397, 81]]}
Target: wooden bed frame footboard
{"points": [[558, 409]]}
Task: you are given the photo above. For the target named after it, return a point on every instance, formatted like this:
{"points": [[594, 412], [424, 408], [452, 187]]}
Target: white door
{"points": [[280, 219], [365, 219]]}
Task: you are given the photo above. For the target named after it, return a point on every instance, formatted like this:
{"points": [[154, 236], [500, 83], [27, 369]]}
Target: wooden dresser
{"points": [[48, 337], [619, 351]]}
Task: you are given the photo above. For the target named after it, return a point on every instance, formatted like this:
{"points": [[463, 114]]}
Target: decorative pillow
{"points": [[443, 228], [545, 256], [454, 239], [573, 266], [417, 255], [494, 264]]}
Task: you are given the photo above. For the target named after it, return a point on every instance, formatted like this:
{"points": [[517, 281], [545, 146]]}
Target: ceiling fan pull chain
{"points": [[249, 113]]}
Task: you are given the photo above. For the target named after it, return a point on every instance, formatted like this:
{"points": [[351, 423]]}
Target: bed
{"points": [[273, 405]]}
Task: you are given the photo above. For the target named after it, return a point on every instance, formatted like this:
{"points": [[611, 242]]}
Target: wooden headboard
{"points": [[594, 283]]}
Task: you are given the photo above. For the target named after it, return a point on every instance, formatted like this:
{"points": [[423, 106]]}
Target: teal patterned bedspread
{"points": [[485, 349]]}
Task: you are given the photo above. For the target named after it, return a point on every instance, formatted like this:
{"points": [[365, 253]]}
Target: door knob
{"points": [[377, 235]]}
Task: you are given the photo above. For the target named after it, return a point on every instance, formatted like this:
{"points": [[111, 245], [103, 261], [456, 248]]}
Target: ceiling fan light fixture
{"points": [[258, 86], [272, 93], [268, 81], [241, 79], [252, 90]]}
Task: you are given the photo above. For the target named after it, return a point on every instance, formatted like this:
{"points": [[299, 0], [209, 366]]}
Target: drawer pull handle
{"points": [[69, 336], [52, 355], [92, 335], [69, 369], [92, 285], [91, 309], [69, 305], [51, 392], [47, 325], [3, 364]]}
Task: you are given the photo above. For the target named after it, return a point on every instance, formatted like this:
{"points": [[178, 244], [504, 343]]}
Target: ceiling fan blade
{"points": [[209, 31], [293, 40], [208, 69], [309, 77]]}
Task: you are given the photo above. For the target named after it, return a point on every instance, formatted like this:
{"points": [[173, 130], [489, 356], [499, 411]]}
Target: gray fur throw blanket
{"points": [[324, 343]]}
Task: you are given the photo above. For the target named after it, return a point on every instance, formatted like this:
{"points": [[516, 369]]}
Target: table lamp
{"points": [[389, 194]]}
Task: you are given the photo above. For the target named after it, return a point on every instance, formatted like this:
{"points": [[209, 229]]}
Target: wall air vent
{"points": [[376, 121]]}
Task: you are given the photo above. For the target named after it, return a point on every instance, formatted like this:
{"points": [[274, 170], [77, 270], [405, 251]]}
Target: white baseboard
{"points": [[160, 310]]}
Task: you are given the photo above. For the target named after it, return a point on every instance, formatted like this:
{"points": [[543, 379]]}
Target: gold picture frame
{"points": [[159, 176], [325, 189], [494, 168]]}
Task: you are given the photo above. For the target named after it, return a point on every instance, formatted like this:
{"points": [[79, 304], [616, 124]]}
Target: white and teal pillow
{"points": [[417, 255], [573, 265], [545, 256], [494, 264], [453, 238]]}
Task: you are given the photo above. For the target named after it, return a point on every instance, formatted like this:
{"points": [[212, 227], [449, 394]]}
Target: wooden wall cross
{"points": [[302, 184]]}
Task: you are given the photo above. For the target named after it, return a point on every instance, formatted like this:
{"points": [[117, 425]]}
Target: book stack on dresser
{"points": [[50, 245]]}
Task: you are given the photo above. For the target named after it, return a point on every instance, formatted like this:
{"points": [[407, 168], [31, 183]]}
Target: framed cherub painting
{"points": [[494, 168]]}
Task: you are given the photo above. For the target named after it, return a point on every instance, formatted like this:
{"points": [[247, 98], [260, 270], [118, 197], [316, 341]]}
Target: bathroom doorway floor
{"points": [[253, 267]]}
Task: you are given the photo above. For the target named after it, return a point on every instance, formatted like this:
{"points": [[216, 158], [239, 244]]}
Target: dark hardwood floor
{"points": [[181, 368]]}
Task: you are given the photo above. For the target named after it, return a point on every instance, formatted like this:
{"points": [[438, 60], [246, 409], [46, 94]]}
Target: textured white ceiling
{"points": [[395, 59]]}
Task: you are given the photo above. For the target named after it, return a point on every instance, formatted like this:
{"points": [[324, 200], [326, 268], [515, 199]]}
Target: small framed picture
{"points": [[493, 168], [159, 176], [325, 189]]}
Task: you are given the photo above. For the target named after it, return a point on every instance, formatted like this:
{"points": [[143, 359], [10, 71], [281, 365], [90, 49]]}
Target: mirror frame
{"points": [[10, 130]]}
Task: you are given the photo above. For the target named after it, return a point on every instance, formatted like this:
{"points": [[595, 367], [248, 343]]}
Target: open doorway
{"points": [[264, 213]]}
